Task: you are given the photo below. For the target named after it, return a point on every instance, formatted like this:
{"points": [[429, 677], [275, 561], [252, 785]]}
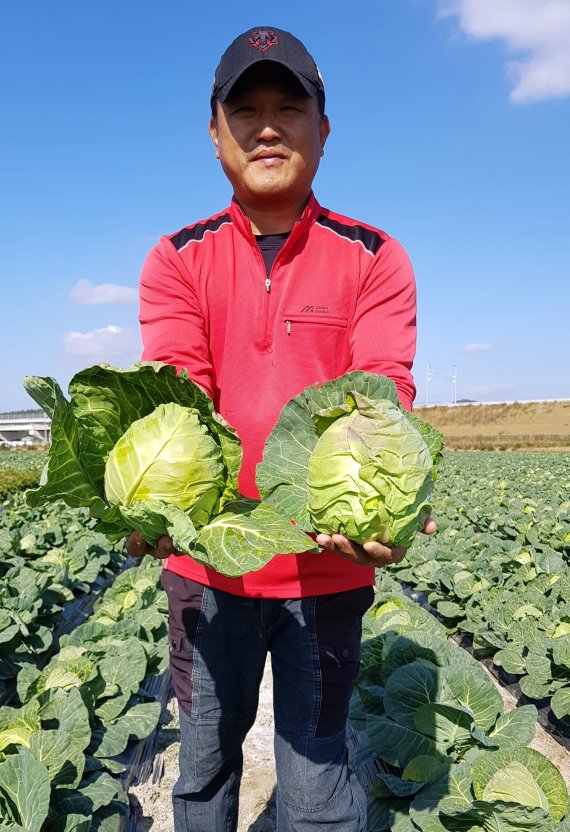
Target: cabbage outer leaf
{"points": [[24, 793], [560, 703], [65, 475], [246, 536], [426, 769], [396, 744], [470, 686], [154, 518], [516, 727], [451, 790], [496, 816], [408, 688], [243, 538]]}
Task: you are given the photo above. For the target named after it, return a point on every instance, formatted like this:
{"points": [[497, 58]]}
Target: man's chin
{"points": [[270, 182]]}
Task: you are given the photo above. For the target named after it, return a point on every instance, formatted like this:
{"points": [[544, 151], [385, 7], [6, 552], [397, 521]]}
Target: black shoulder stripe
{"points": [[195, 234], [369, 240]]}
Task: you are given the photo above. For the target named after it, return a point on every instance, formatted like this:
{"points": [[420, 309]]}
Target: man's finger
{"points": [[371, 553], [136, 546], [430, 526], [164, 548], [398, 554], [340, 545], [384, 555]]}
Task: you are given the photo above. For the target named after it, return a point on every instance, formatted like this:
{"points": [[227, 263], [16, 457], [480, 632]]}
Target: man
{"points": [[257, 302]]}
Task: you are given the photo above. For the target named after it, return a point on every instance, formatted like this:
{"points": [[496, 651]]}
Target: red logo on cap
{"points": [[263, 39]]}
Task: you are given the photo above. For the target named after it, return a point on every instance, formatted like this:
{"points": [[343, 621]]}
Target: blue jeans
{"points": [[218, 645]]}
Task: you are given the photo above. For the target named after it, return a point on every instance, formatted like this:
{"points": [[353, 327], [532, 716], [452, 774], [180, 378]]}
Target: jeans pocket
{"points": [[181, 666], [338, 619], [339, 663]]}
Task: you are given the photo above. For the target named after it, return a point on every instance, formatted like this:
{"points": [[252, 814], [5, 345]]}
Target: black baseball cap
{"points": [[266, 43]]}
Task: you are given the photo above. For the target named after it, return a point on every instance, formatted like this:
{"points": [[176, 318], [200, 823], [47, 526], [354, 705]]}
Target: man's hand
{"points": [[138, 548], [371, 553]]}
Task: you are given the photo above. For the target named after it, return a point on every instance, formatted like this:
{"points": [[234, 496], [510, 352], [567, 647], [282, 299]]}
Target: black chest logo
{"points": [[315, 310]]}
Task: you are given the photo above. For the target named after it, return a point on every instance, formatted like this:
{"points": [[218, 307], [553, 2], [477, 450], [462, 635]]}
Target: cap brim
{"points": [[224, 91]]}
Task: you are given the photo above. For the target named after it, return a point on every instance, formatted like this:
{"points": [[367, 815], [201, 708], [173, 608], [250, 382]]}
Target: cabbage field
{"points": [[81, 638], [83, 641], [440, 752], [498, 569], [19, 469]]}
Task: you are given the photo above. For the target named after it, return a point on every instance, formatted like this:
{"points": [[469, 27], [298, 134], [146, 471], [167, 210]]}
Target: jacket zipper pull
{"points": [[267, 284], [288, 327]]}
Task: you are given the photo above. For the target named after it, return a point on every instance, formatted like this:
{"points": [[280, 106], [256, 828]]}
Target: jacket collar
{"points": [[241, 221]]}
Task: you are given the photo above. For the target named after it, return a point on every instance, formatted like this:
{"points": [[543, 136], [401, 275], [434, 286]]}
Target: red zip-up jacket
{"points": [[340, 297]]}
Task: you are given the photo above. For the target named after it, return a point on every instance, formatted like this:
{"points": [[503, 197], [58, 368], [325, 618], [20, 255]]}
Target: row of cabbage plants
{"points": [[498, 568], [21, 460], [63, 750], [48, 558], [20, 469], [522, 496], [432, 736]]}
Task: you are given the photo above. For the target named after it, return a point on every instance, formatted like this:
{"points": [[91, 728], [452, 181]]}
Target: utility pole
{"points": [[428, 379], [454, 382]]}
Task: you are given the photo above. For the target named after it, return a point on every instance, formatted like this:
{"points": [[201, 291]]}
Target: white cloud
{"points": [[477, 347], [105, 293], [111, 344], [537, 34]]}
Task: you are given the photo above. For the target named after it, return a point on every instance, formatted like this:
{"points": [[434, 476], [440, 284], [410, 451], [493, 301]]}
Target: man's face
{"points": [[269, 138]]}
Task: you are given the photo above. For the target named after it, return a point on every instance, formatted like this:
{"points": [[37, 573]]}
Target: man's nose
{"points": [[269, 130]]}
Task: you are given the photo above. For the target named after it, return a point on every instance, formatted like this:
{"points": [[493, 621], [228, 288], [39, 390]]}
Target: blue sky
{"points": [[450, 130]]}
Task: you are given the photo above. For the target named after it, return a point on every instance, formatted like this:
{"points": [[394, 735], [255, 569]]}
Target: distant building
{"points": [[24, 427]]}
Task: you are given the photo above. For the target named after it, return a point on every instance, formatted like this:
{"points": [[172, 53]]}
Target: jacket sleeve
{"points": [[173, 327], [383, 331]]}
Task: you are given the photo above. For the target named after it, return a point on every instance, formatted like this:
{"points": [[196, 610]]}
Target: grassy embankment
{"points": [[533, 426]]}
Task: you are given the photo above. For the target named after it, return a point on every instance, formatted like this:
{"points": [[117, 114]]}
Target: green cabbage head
{"points": [[168, 455], [345, 456], [370, 476]]}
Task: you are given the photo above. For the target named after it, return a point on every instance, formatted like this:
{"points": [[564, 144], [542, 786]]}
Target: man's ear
{"points": [[324, 130], [214, 135]]}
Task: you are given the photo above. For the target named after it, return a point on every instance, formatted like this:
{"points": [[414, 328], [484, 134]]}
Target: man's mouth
{"points": [[268, 156]]}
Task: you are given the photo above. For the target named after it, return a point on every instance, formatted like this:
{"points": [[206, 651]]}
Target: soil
{"points": [[257, 803]]}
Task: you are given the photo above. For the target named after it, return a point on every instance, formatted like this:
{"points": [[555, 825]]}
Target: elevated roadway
{"points": [[24, 426]]}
